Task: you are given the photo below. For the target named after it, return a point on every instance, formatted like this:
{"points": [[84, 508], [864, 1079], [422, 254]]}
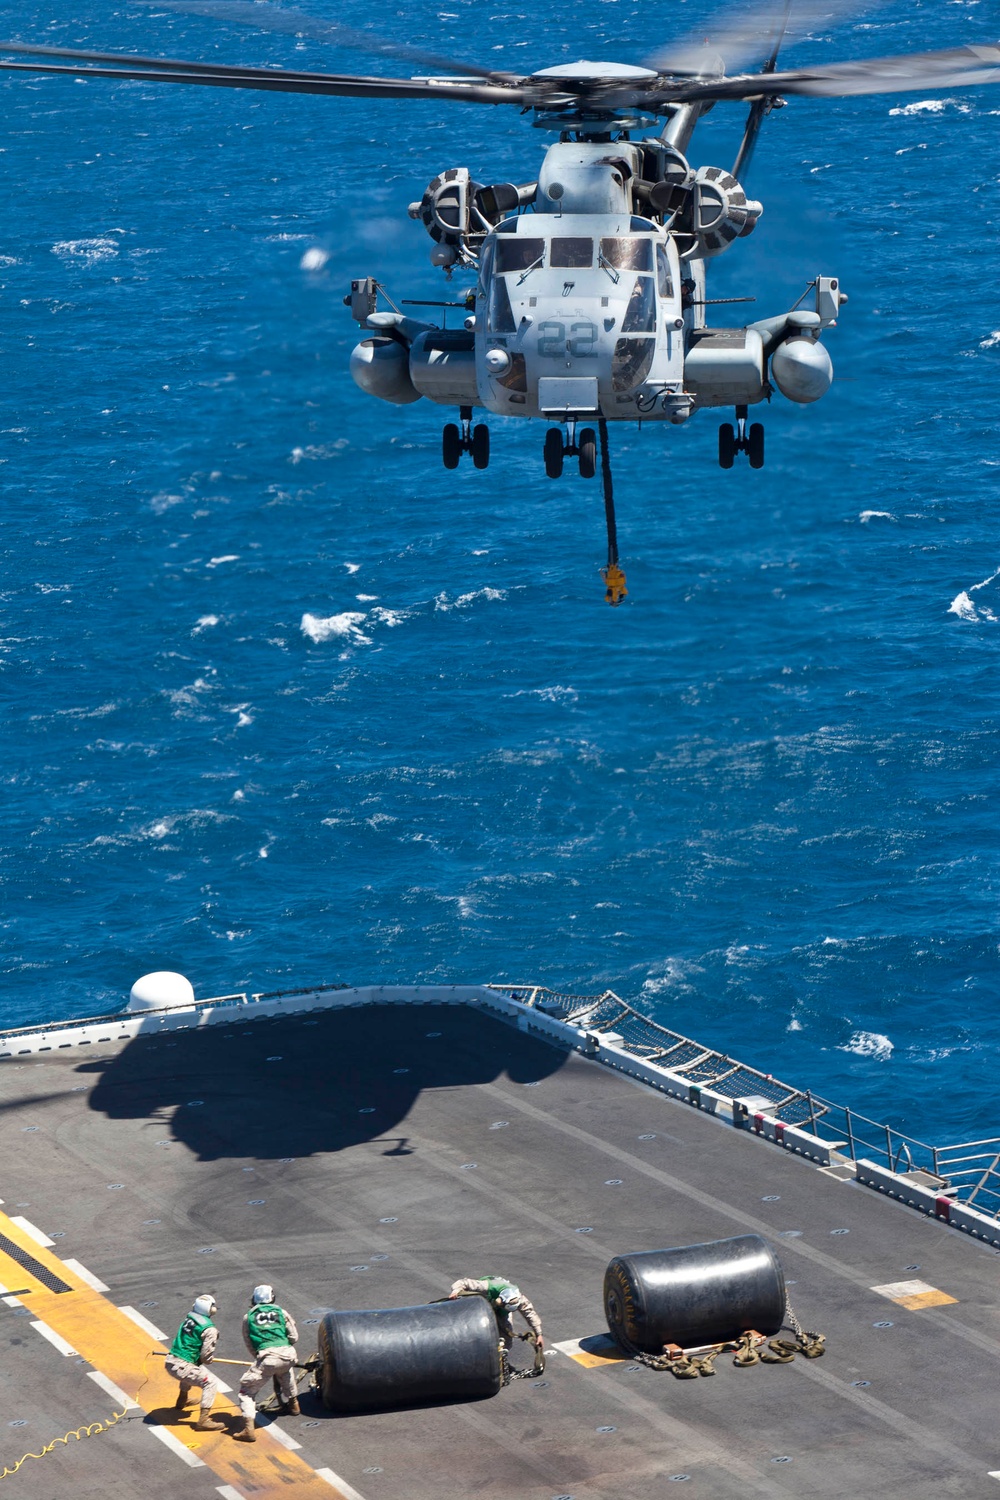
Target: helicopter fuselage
{"points": [[589, 300]]}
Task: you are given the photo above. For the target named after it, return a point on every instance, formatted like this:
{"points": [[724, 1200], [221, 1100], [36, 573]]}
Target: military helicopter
{"points": [[589, 302]]}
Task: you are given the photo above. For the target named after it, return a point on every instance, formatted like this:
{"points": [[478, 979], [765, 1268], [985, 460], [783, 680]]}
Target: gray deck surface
{"points": [[431, 1142]]}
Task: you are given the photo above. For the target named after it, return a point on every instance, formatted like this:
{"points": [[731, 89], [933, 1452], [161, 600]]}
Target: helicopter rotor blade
{"points": [[760, 108], [273, 80], [738, 36], [266, 17], [956, 67]]}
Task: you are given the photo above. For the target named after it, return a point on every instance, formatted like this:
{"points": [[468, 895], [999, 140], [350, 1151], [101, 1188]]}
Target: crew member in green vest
{"points": [[190, 1355], [504, 1298], [270, 1334]]}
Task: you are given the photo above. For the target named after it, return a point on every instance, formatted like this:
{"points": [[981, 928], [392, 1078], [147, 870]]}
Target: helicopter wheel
{"points": [[755, 445], [451, 446], [480, 445], [553, 453], [588, 453], [727, 446]]}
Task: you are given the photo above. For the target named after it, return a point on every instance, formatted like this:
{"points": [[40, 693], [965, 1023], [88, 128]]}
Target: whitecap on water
{"points": [[314, 259], [205, 622], [89, 251], [464, 600], [873, 515], [554, 694], [992, 341], [931, 107], [868, 1044], [963, 607], [390, 617], [320, 628]]}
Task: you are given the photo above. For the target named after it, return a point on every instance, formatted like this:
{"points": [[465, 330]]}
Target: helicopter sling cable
{"points": [[614, 577]]}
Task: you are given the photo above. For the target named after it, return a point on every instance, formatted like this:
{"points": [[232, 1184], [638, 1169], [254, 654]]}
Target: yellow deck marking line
{"points": [[109, 1340], [598, 1349], [913, 1294]]}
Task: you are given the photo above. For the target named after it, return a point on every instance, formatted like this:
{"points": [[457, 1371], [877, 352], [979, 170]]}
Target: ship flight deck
{"points": [[365, 1155]]}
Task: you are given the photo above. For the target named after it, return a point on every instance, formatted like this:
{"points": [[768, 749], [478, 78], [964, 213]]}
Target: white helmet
{"points": [[263, 1293], [509, 1295], [204, 1305]]}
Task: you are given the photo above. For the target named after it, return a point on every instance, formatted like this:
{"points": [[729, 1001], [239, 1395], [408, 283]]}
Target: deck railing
{"points": [[968, 1172]]}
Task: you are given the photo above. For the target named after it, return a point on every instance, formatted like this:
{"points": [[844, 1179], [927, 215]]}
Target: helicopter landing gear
{"points": [[587, 448], [467, 439], [743, 440], [553, 452], [583, 448]]}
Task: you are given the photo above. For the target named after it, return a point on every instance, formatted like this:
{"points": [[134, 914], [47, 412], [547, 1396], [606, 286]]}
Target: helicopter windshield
{"points": [[519, 254], [663, 272], [500, 316], [628, 254], [640, 315], [571, 254]]}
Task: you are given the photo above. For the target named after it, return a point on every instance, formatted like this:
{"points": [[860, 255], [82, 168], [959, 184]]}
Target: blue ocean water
{"points": [[287, 702]]}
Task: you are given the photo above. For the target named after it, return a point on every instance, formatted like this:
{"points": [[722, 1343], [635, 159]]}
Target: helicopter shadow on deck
{"points": [[305, 1084]]}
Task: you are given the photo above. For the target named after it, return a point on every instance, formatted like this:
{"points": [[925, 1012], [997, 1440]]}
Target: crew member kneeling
{"points": [[270, 1334], [504, 1298], [190, 1354]]}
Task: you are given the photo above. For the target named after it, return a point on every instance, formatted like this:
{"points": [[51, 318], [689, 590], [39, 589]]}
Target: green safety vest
{"points": [[187, 1343], [495, 1285], [266, 1326]]}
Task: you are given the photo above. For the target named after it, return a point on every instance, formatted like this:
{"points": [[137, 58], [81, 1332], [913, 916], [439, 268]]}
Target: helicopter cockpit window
{"points": [[628, 254], [519, 254], [631, 362], [663, 272], [571, 254], [485, 267], [500, 316], [640, 315]]}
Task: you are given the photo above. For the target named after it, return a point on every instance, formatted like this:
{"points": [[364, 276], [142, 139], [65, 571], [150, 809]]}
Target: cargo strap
{"points": [[614, 578], [746, 1351]]}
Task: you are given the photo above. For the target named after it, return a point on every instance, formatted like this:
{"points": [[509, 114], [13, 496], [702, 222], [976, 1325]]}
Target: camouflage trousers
{"points": [[198, 1375], [278, 1363]]}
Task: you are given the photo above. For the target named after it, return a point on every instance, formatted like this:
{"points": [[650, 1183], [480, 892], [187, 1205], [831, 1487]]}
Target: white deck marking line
{"points": [[227, 1492], [993, 1474], [114, 1391], [282, 1437], [91, 1280], [144, 1323], [35, 1233], [12, 1301], [348, 1492], [55, 1339], [176, 1446]]}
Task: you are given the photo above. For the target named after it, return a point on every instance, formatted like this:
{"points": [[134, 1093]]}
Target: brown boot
{"points": [[183, 1397], [247, 1433], [207, 1423], [292, 1408]]}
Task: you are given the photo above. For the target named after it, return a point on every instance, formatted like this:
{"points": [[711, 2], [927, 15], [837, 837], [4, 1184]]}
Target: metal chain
{"points": [[689, 1367], [509, 1372]]}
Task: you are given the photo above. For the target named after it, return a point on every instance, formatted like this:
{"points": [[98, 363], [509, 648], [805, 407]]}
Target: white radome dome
{"points": [[163, 990]]}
